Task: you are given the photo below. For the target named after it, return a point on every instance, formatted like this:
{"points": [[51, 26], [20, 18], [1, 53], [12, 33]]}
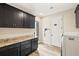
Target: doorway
{"points": [[56, 30], [53, 34]]}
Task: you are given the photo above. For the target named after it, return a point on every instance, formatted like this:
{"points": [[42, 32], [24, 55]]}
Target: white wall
{"points": [[70, 21], [45, 24], [69, 24]]}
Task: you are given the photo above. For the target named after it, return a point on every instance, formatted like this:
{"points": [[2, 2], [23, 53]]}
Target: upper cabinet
{"points": [[1, 15], [14, 18], [32, 21], [77, 16], [28, 21]]}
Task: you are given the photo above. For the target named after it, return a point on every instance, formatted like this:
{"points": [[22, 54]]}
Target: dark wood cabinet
{"points": [[9, 16], [18, 19], [34, 44], [20, 49], [12, 17], [32, 21], [25, 47], [1, 15], [28, 21], [77, 16], [12, 50]]}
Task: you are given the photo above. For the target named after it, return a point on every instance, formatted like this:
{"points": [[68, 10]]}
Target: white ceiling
{"points": [[43, 9]]}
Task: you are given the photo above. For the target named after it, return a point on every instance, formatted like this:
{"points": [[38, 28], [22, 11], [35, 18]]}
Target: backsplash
{"points": [[15, 31]]}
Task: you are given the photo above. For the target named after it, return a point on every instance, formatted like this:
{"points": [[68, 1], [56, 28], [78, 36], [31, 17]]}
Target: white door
{"points": [[56, 30], [47, 36]]}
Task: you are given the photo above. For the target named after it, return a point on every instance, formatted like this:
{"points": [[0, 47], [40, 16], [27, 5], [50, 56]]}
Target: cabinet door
{"points": [[34, 44], [25, 51], [71, 46], [77, 16], [12, 50], [77, 19], [13, 17], [25, 48], [26, 20], [32, 21], [1, 15], [8, 16], [18, 18]]}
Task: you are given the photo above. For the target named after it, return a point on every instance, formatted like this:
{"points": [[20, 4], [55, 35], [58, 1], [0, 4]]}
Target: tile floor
{"points": [[45, 50]]}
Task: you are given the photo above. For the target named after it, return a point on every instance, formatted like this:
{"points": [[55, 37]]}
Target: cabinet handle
{"points": [[71, 38], [51, 34], [13, 25]]}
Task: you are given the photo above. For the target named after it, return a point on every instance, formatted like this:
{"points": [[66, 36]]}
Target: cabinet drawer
{"points": [[34, 44], [26, 42], [34, 40], [25, 46], [14, 45]]}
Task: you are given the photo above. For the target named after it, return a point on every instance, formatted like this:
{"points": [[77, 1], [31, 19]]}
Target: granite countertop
{"points": [[12, 40]]}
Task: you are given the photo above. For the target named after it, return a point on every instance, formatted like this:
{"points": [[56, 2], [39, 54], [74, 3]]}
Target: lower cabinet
{"points": [[12, 50], [20, 49], [34, 44], [25, 48]]}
